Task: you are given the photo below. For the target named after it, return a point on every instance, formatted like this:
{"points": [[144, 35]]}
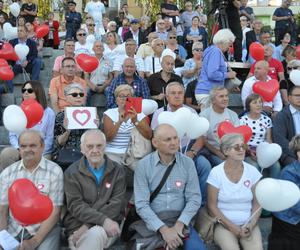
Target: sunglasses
{"points": [[172, 37], [291, 68], [240, 147], [198, 50], [77, 94], [81, 34], [92, 25], [29, 90]]}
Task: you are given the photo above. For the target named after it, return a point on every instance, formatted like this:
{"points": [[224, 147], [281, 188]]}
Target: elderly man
{"points": [[135, 32], [175, 98], [130, 49], [215, 114], [161, 29], [168, 216], [261, 70], [95, 190], [145, 49], [58, 84], [253, 35], [130, 77], [31, 63], [158, 82], [286, 125], [69, 49], [48, 178], [153, 62]]}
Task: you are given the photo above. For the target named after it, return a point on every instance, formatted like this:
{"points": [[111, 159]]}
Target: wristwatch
{"points": [[136, 123]]}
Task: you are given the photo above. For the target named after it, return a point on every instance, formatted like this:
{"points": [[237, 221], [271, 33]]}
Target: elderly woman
{"points": [[118, 125], [66, 141], [285, 233], [214, 70], [192, 66], [261, 126], [111, 27], [153, 63], [231, 198], [111, 48], [81, 46]]}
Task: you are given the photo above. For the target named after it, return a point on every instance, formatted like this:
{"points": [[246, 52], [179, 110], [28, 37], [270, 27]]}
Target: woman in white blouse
{"points": [[231, 198]]}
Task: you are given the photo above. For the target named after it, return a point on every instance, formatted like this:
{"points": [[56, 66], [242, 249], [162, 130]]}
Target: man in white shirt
{"points": [[130, 49], [261, 70], [96, 9]]}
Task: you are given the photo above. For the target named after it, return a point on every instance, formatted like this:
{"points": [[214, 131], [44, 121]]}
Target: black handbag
{"points": [[132, 215]]}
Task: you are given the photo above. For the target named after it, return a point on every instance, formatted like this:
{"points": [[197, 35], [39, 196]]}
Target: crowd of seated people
{"points": [[171, 62]]}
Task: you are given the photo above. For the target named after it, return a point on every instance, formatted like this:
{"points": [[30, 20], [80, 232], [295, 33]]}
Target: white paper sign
{"points": [[81, 117], [7, 241]]}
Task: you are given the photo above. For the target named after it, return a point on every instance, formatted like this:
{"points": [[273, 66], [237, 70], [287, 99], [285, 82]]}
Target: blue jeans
{"points": [[34, 67], [194, 242], [273, 171]]}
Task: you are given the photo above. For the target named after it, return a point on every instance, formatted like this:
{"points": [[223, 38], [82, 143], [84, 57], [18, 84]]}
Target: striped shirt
{"points": [[120, 142], [48, 178]]}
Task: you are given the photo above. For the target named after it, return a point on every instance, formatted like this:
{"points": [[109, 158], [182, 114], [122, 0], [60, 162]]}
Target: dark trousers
{"points": [[236, 29]]}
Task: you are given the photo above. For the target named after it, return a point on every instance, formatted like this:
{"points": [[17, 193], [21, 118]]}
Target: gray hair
{"points": [[121, 88], [294, 63], [171, 84], [111, 23], [156, 40], [228, 141], [72, 86], [213, 92], [91, 131], [223, 36], [32, 131], [197, 44]]}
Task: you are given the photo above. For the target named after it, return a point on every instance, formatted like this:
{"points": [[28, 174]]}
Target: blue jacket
{"points": [[213, 72], [291, 173]]}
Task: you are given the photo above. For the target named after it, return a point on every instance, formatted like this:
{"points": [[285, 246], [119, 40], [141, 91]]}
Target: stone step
{"points": [[7, 99], [4, 136]]}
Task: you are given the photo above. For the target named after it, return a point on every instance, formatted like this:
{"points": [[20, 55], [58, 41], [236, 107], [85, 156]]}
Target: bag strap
{"points": [[162, 182]]}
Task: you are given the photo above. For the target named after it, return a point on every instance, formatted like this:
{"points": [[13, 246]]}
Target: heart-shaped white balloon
{"points": [[197, 126], [10, 32], [22, 51], [277, 195], [295, 77], [267, 154], [14, 119], [14, 9], [149, 106]]}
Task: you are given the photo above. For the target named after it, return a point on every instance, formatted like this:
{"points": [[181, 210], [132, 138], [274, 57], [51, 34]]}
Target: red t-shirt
{"points": [[275, 67]]}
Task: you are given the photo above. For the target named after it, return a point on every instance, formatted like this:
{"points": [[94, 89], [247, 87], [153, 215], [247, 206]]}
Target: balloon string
{"points": [[261, 171], [252, 216], [187, 145], [22, 235], [180, 145]]}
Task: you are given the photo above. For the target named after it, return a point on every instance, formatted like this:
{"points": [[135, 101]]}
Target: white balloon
{"points": [[295, 77], [21, 50], [14, 9], [197, 126], [149, 106], [14, 119], [10, 32], [267, 154], [90, 39], [277, 195], [166, 117]]}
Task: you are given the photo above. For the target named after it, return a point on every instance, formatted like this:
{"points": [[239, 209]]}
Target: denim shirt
{"points": [[291, 173]]}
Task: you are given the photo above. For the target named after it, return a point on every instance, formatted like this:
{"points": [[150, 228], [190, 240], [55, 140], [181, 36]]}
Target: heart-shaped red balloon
{"points": [[42, 30], [227, 127], [298, 52], [8, 52], [6, 73], [27, 204], [3, 62], [33, 110], [87, 63], [257, 51], [267, 90]]}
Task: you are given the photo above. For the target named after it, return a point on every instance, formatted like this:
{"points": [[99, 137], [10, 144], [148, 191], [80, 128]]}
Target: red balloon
{"points": [[6, 73], [298, 52], [27, 204], [42, 30], [3, 62], [87, 63], [8, 52], [231, 50], [33, 110], [227, 127], [267, 90], [257, 51]]}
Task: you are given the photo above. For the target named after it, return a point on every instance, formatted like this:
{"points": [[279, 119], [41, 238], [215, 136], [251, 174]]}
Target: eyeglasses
{"points": [[69, 66], [238, 147], [29, 90], [92, 25], [77, 94], [243, 20], [291, 68], [160, 44], [81, 34], [198, 50], [124, 96], [172, 37]]}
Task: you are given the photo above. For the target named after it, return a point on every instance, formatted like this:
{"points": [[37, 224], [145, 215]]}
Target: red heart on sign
{"points": [[81, 116], [27, 204], [226, 127], [87, 63], [267, 90]]}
